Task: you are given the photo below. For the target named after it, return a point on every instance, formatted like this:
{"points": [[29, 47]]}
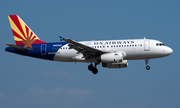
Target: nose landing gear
{"points": [[93, 68], [147, 62], [147, 67]]}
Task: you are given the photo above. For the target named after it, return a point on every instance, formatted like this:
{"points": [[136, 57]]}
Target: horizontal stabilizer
{"points": [[18, 47]]}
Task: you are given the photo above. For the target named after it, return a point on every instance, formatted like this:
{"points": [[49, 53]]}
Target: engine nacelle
{"points": [[111, 58], [123, 64]]}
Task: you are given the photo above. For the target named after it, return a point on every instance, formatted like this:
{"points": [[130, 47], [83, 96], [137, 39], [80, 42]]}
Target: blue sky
{"points": [[29, 82]]}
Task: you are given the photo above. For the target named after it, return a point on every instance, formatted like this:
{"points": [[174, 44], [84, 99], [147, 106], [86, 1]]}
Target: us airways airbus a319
{"points": [[110, 53]]}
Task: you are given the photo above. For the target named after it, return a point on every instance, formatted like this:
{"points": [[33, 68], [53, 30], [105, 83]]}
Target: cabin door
{"points": [[146, 45]]}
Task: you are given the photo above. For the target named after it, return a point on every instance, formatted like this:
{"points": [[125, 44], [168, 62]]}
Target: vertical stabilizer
{"points": [[23, 35]]}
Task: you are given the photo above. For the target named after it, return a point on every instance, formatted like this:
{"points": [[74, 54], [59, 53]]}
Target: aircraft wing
{"points": [[81, 48]]}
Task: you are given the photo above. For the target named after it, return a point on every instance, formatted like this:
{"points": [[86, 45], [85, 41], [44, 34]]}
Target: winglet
{"points": [[61, 38]]}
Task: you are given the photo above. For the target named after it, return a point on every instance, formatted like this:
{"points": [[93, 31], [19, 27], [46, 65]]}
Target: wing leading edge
{"points": [[87, 51]]}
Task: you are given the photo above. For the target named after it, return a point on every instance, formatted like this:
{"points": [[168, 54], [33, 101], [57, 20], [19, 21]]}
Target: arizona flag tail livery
{"points": [[23, 35]]}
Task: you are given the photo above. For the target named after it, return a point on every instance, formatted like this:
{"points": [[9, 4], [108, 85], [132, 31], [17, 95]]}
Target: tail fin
{"points": [[23, 35]]}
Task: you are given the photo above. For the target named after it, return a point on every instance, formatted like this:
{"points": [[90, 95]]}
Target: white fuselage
{"points": [[133, 49]]}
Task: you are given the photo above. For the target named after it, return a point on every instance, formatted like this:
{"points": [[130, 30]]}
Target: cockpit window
{"points": [[160, 44]]}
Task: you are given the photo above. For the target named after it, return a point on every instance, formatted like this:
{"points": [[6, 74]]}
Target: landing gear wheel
{"points": [[147, 62], [95, 71], [90, 67], [147, 67], [93, 68]]}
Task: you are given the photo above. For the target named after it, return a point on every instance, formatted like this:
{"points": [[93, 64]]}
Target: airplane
{"points": [[110, 53]]}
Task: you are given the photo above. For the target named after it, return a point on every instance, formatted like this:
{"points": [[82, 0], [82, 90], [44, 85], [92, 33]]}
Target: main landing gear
{"points": [[93, 68], [147, 62]]}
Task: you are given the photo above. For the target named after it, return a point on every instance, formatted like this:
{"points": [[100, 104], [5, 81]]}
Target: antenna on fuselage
{"points": [[144, 38]]}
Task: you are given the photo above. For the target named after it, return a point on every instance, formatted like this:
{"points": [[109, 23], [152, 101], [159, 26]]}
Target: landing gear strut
{"points": [[93, 68], [147, 62]]}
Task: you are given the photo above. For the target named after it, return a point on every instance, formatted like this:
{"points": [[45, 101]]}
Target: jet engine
{"points": [[111, 58], [123, 64]]}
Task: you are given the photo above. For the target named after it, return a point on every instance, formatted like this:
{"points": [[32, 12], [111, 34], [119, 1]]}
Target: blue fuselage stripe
{"points": [[45, 51]]}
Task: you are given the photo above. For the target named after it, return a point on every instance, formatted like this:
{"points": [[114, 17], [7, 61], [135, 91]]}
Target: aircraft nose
{"points": [[169, 51]]}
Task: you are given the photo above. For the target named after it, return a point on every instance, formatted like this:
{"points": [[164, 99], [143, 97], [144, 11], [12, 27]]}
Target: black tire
{"points": [[95, 71], [90, 67], [147, 67]]}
